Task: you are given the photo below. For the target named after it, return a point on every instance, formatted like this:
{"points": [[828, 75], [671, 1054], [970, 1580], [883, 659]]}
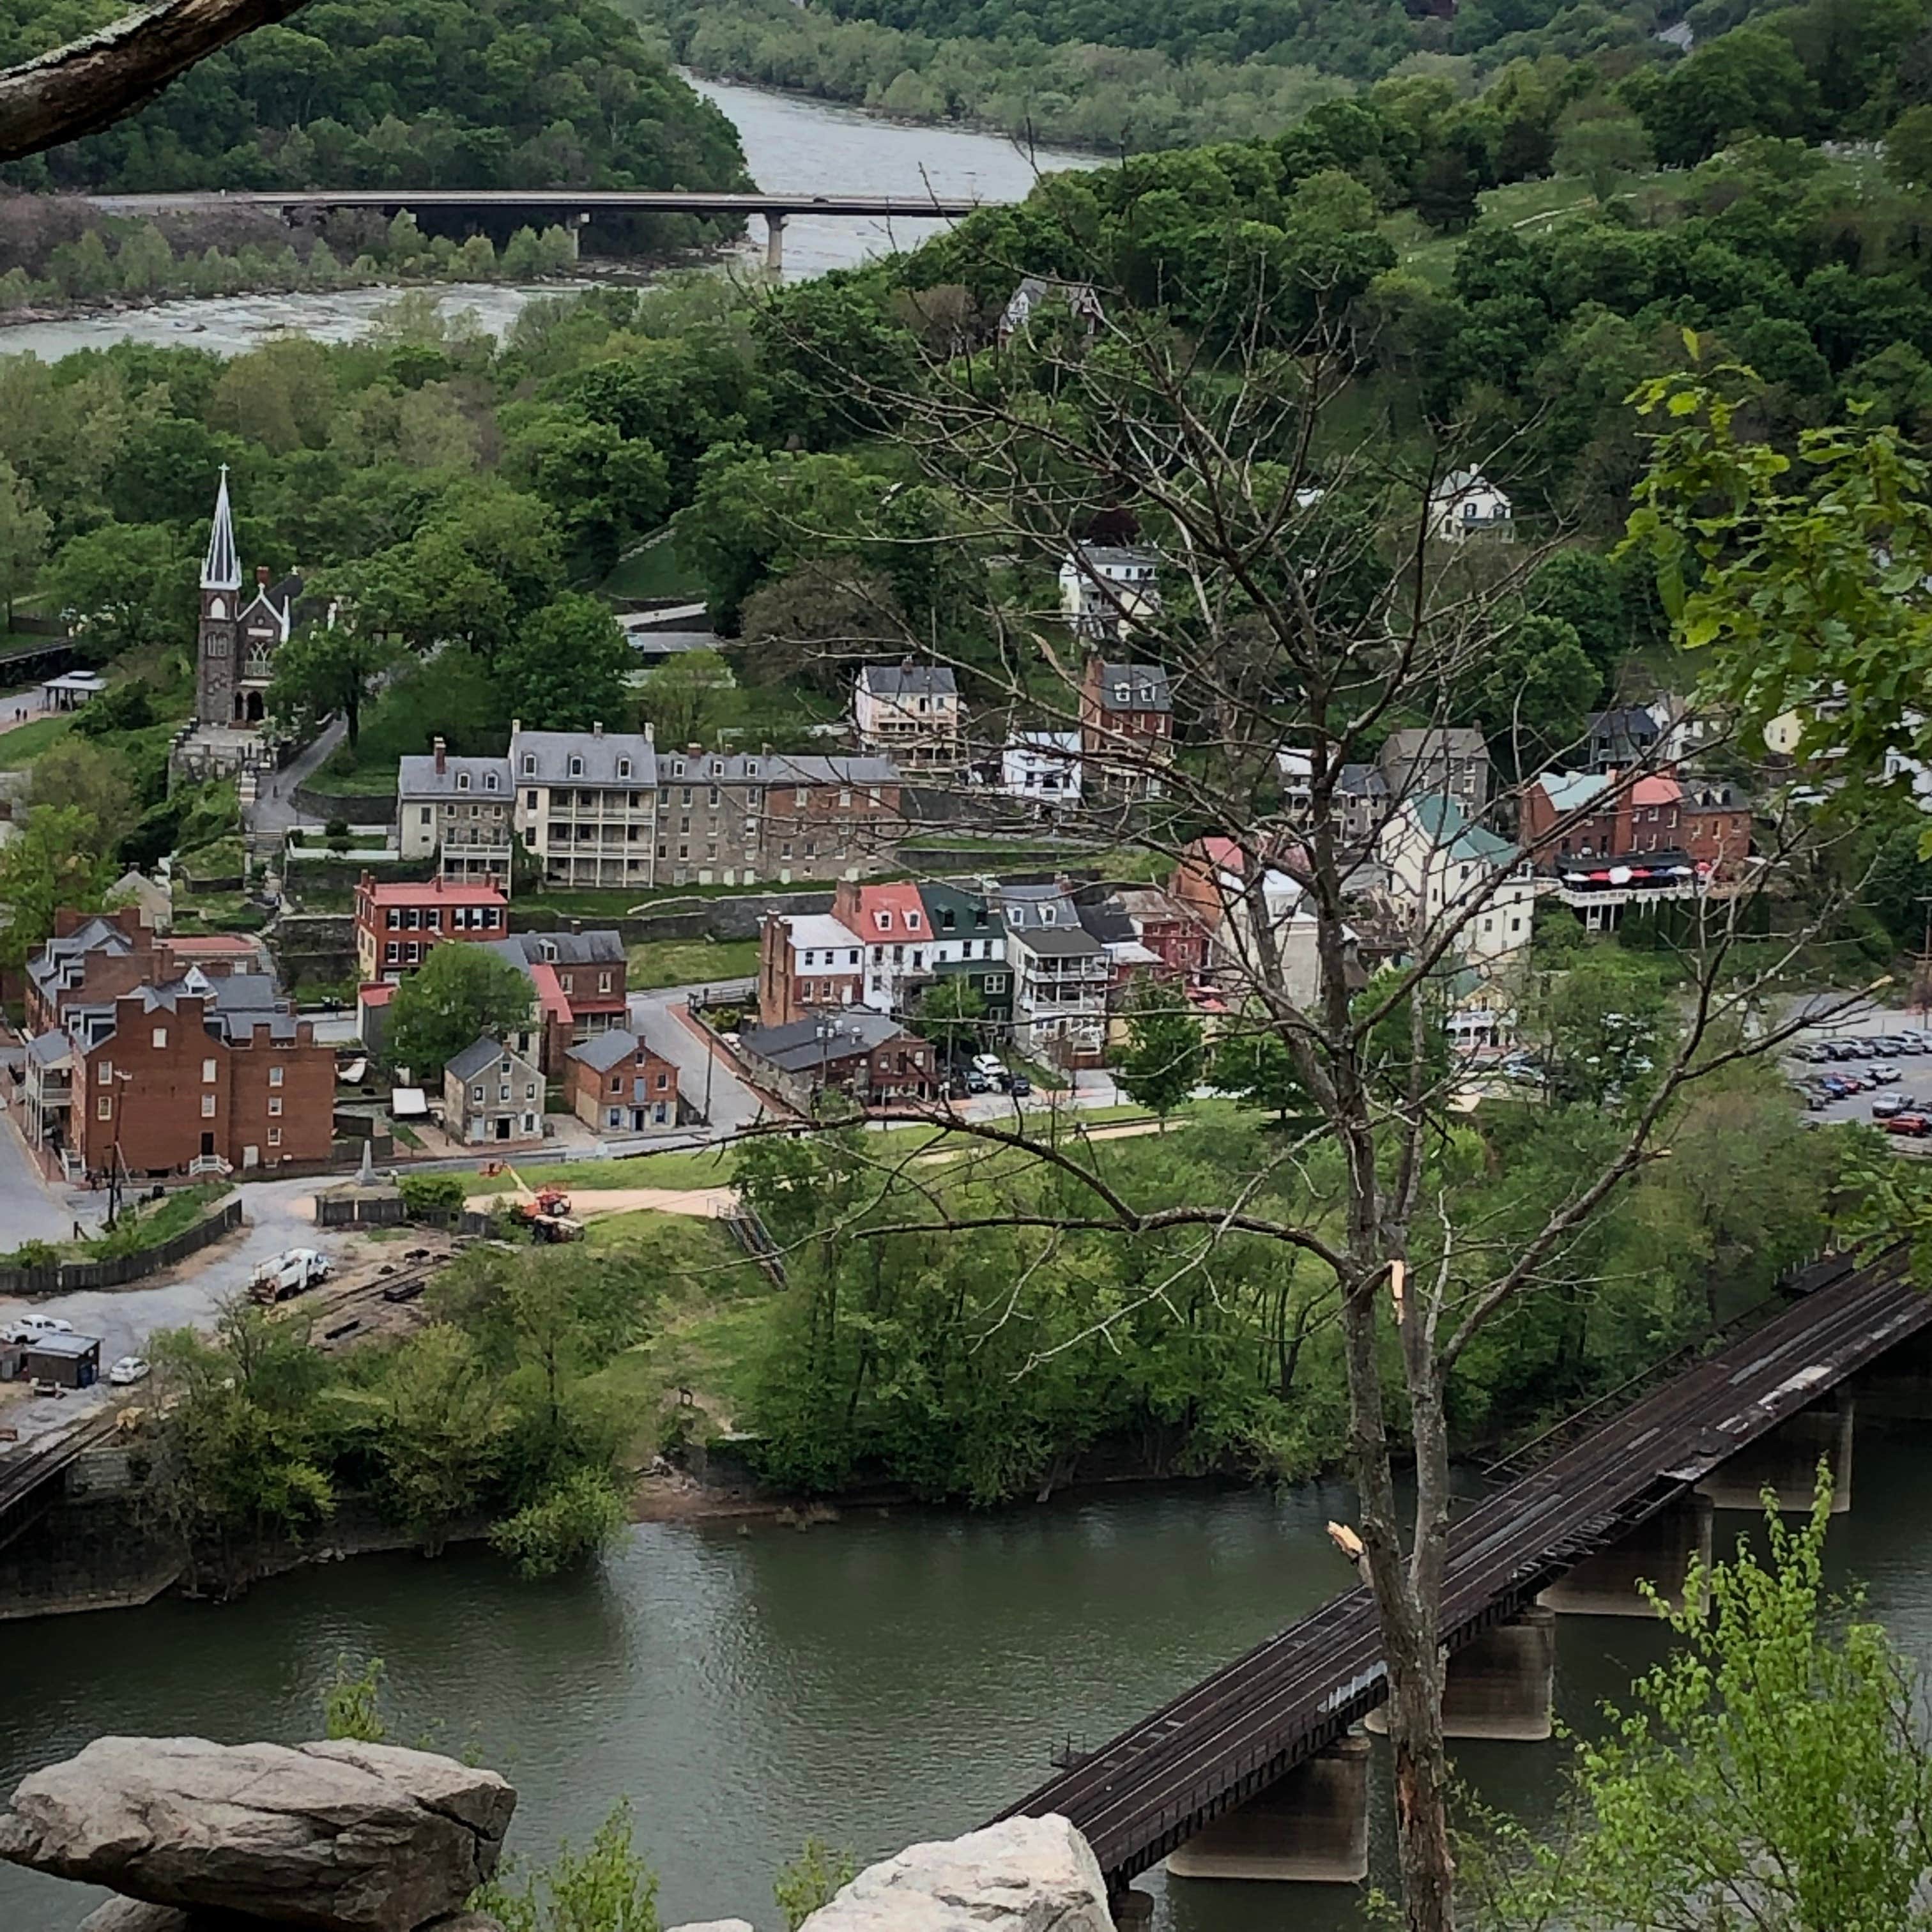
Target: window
{"points": [[662, 850], [845, 799], [663, 1081], [677, 772], [207, 1106], [603, 982], [800, 798], [996, 982], [476, 1094], [570, 983], [160, 1037], [751, 772], [577, 768], [105, 1076], [428, 815], [883, 920], [105, 1111], [713, 800], [623, 768], [463, 781], [529, 801], [614, 1116], [530, 770], [274, 1107], [912, 922], [503, 1091], [392, 953], [275, 1137], [530, 1089], [490, 781], [755, 797], [684, 797], [208, 1075]]}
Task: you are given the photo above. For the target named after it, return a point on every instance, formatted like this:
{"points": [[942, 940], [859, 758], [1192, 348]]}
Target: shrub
{"points": [[433, 1194], [34, 1254], [571, 1520]]}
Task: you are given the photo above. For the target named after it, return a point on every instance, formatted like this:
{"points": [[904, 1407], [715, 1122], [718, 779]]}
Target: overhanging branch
{"points": [[91, 83]]}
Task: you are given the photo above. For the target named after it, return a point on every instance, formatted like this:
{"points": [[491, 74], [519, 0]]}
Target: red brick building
{"points": [[93, 957], [397, 922], [1127, 729], [807, 961], [615, 1083], [867, 1056], [165, 1078], [1717, 821]]}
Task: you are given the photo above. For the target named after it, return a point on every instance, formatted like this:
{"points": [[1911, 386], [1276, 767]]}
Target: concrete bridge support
{"points": [[1659, 1553], [1897, 1387], [775, 225], [1133, 1911], [1310, 1828], [1785, 1462], [1501, 1685]]}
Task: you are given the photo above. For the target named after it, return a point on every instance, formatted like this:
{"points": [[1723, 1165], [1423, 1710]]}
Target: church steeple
{"points": [[221, 568]]}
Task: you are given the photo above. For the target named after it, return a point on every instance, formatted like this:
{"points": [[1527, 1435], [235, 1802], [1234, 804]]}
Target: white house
{"points": [[1466, 504], [1041, 767], [909, 712], [1105, 590], [1442, 866]]}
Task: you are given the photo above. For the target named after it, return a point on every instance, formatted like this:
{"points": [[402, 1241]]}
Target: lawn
{"points": [[21, 746], [654, 569], [687, 962]]}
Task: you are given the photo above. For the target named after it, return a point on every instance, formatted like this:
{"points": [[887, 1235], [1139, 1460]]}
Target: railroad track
{"points": [[336, 1314], [1151, 1788]]}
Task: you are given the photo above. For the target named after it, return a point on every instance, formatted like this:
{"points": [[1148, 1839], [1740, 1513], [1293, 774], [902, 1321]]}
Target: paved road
{"points": [[125, 1317], [734, 1106], [274, 815], [29, 1210]]}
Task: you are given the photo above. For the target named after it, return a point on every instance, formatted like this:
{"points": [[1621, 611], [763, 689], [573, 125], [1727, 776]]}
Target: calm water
{"points": [[875, 1681], [789, 142]]}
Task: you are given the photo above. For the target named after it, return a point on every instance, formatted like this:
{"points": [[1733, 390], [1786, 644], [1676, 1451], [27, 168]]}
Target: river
{"points": [[874, 1681], [789, 142]]}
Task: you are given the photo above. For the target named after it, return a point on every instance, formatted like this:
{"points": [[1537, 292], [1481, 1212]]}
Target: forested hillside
{"points": [[427, 93]]}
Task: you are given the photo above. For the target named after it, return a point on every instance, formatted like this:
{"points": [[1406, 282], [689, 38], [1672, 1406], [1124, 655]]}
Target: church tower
{"points": [[215, 663]]}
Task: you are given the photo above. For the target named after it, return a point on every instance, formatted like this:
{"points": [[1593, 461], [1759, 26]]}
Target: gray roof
{"points": [[74, 1348], [477, 1055], [545, 756], [600, 947], [417, 777], [1423, 741], [1064, 942], [798, 1047], [603, 1050], [98, 935], [49, 1048], [1112, 557], [1123, 686], [908, 680], [1633, 721], [1361, 781]]}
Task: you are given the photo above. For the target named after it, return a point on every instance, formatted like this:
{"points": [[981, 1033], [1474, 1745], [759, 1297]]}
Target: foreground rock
{"points": [[1025, 1875], [134, 1915], [339, 1837]]}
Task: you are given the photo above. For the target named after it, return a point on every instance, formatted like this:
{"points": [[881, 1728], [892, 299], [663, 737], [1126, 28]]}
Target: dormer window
{"points": [[623, 768], [677, 768], [463, 781], [577, 768], [530, 764], [750, 768], [912, 922], [883, 920], [548, 948], [1047, 914], [490, 782], [717, 768]]}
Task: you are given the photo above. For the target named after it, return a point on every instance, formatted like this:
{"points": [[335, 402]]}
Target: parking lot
{"points": [[1884, 1056]]}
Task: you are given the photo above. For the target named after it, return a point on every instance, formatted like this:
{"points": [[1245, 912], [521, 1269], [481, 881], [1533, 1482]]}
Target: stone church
{"points": [[236, 660]]}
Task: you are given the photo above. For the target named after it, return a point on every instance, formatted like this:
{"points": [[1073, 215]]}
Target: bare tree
{"points": [[1310, 599], [91, 82]]}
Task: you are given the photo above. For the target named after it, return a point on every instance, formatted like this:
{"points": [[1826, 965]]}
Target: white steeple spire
{"points": [[221, 568]]}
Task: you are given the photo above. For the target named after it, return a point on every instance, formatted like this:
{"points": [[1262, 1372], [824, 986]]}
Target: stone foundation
{"points": [[1310, 1827]]}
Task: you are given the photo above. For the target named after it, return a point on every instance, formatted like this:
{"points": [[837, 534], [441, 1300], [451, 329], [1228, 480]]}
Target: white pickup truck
{"points": [[281, 1276]]}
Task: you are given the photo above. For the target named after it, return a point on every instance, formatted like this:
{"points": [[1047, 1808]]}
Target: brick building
{"points": [[199, 1071], [397, 922], [615, 1083], [807, 961], [1126, 730], [578, 986], [92, 958], [867, 1056]]}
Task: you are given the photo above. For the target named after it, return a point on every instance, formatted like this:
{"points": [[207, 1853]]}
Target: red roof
{"points": [[209, 945], [903, 910], [1655, 790], [550, 995], [377, 993], [417, 892]]}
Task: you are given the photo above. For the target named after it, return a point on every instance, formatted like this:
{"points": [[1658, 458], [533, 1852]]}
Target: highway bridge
{"points": [[572, 207], [1201, 1757]]}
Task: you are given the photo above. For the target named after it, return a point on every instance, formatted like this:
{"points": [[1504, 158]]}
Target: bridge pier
{"points": [[1658, 1552], [1133, 1911], [775, 226], [1785, 1462], [1501, 1685], [575, 228], [1897, 1387], [1310, 1827]]}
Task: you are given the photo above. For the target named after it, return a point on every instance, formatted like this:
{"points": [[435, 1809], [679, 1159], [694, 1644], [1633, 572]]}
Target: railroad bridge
{"points": [[1260, 1771], [572, 207]]}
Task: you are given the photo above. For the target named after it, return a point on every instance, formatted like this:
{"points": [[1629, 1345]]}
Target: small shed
{"points": [[73, 1361]]}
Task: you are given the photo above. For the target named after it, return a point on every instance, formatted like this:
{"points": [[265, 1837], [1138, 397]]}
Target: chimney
{"points": [[576, 927], [262, 575], [516, 727], [597, 729], [650, 733], [693, 750], [442, 750]]}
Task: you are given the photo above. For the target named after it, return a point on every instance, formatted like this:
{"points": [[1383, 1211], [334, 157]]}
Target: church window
{"points": [[217, 606]]}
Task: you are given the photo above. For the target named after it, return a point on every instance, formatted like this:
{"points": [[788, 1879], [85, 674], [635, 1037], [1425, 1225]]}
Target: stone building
{"points": [[457, 810], [492, 1094]]}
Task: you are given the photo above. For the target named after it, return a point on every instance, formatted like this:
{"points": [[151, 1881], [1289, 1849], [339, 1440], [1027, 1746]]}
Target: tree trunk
{"points": [[1422, 1798]]}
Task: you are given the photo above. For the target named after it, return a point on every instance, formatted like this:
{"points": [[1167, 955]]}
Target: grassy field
{"points": [[20, 747], [654, 569], [687, 962]]}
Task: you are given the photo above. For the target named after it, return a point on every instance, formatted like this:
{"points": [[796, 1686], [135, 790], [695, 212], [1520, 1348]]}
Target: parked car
{"points": [[25, 1328], [1887, 1105], [1885, 1073], [1917, 1125], [1020, 1087], [129, 1370]]}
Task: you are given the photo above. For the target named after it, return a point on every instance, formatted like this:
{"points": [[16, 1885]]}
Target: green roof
{"points": [[1448, 828]]}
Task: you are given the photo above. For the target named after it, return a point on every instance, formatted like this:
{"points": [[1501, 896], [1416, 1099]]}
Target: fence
{"points": [[117, 1271]]}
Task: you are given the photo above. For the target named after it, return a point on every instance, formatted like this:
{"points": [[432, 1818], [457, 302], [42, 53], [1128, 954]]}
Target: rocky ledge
{"points": [[337, 1836]]}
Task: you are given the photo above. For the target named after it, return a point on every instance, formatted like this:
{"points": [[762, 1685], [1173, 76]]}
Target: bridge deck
{"points": [[1153, 1787], [578, 201]]}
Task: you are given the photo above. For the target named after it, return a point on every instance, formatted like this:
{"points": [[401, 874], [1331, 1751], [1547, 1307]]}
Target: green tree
{"points": [[24, 528], [567, 666], [606, 1887], [812, 1879], [1253, 1063], [459, 994], [1164, 1060], [567, 1524], [1534, 694], [55, 861], [1604, 144], [443, 1421], [128, 586], [77, 776], [1775, 1772], [352, 1704], [1599, 1027], [326, 668], [951, 1015], [683, 699], [1908, 148]]}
